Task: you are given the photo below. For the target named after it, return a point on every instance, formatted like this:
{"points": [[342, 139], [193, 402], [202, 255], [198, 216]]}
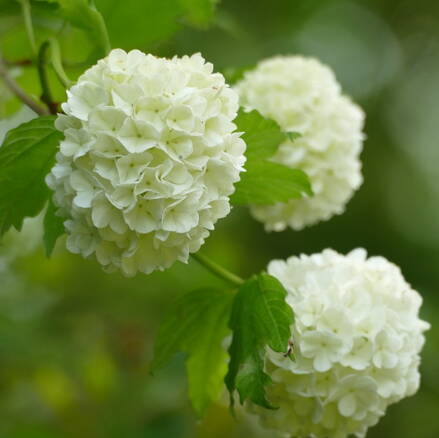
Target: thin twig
{"points": [[46, 94], [18, 63], [19, 92]]}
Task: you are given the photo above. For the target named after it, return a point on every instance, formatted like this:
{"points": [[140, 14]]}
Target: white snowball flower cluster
{"points": [[303, 96], [356, 341], [149, 159]]}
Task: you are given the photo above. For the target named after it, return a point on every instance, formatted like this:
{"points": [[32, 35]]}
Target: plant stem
{"points": [[55, 58], [103, 31], [218, 270], [19, 92], [26, 10], [46, 95]]}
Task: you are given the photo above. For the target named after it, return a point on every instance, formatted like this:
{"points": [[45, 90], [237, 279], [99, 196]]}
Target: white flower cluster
{"points": [[149, 159], [356, 343], [303, 96]]}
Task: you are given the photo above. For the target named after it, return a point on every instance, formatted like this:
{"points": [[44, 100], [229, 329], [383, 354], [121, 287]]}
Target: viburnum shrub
{"points": [[147, 154]]}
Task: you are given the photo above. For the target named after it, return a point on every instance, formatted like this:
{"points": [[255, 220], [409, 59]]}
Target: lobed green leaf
{"points": [[83, 15], [164, 18], [26, 157], [260, 318], [197, 325], [199, 13], [53, 228], [292, 136], [262, 136], [235, 74], [266, 183]]}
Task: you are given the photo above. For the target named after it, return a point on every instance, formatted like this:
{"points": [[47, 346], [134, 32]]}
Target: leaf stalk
{"points": [[26, 10], [55, 59], [218, 270]]}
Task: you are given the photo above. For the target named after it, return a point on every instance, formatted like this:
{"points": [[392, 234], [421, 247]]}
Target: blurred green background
{"points": [[76, 343]]}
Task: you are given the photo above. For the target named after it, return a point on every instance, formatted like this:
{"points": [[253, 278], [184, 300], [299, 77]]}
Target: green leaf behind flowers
{"points": [[260, 318], [262, 136], [84, 15], [160, 20], [26, 157], [53, 228], [197, 326], [266, 182]]}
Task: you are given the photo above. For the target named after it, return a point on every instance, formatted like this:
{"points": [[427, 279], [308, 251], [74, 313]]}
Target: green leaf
{"points": [[53, 228], [158, 20], [262, 136], [9, 7], [260, 318], [235, 74], [292, 136], [266, 182], [26, 157], [199, 13], [84, 15], [197, 326]]}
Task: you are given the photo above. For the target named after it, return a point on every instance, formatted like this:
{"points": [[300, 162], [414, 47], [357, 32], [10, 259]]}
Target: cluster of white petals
{"points": [[356, 343], [303, 96], [149, 159]]}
